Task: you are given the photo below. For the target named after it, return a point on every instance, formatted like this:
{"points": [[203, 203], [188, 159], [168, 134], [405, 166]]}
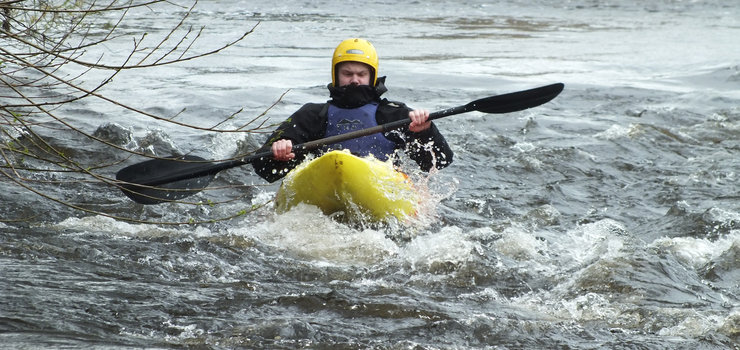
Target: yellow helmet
{"points": [[356, 50]]}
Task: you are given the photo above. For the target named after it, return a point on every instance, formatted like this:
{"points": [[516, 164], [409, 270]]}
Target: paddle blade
{"points": [[163, 180], [516, 101]]}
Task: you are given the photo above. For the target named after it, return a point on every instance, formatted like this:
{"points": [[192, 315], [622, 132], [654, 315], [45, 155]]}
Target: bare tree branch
{"points": [[52, 57]]}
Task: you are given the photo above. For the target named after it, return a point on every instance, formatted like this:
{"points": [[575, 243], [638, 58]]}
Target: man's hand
{"points": [[419, 121], [283, 150]]}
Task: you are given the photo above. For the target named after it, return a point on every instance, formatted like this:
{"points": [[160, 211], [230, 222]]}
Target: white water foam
{"points": [[616, 132], [307, 233], [448, 246], [698, 252], [103, 225]]}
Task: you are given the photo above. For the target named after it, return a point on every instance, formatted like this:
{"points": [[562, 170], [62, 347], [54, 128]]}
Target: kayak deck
{"points": [[357, 189]]}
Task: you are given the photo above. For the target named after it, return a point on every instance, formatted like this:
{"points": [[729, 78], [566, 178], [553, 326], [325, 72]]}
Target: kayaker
{"points": [[355, 104]]}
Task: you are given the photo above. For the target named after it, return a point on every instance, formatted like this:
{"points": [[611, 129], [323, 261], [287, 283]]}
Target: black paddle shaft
{"points": [[511, 102], [173, 174]]}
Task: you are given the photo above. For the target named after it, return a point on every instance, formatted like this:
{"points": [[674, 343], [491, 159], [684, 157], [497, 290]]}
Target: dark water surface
{"points": [[608, 218]]}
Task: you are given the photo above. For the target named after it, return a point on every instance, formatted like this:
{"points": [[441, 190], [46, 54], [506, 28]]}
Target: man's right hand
{"points": [[283, 150]]}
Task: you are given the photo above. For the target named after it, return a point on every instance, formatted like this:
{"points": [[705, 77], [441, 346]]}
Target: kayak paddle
{"points": [[168, 179]]}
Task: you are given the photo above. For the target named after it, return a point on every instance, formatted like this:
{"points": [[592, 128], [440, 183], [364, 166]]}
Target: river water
{"points": [[607, 218]]}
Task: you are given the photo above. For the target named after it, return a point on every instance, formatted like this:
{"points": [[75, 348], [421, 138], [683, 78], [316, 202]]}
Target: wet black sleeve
{"points": [[306, 124], [428, 149]]}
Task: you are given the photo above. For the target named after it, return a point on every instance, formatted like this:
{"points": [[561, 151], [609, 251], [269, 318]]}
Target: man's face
{"points": [[353, 73]]}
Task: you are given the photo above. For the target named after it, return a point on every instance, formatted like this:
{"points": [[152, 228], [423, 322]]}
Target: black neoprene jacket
{"points": [[428, 148]]}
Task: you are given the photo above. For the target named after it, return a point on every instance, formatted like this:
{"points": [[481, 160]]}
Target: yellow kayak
{"points": [[353, 188]]}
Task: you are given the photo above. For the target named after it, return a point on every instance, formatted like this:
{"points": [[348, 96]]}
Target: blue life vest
{"points": [[343, 120]]}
